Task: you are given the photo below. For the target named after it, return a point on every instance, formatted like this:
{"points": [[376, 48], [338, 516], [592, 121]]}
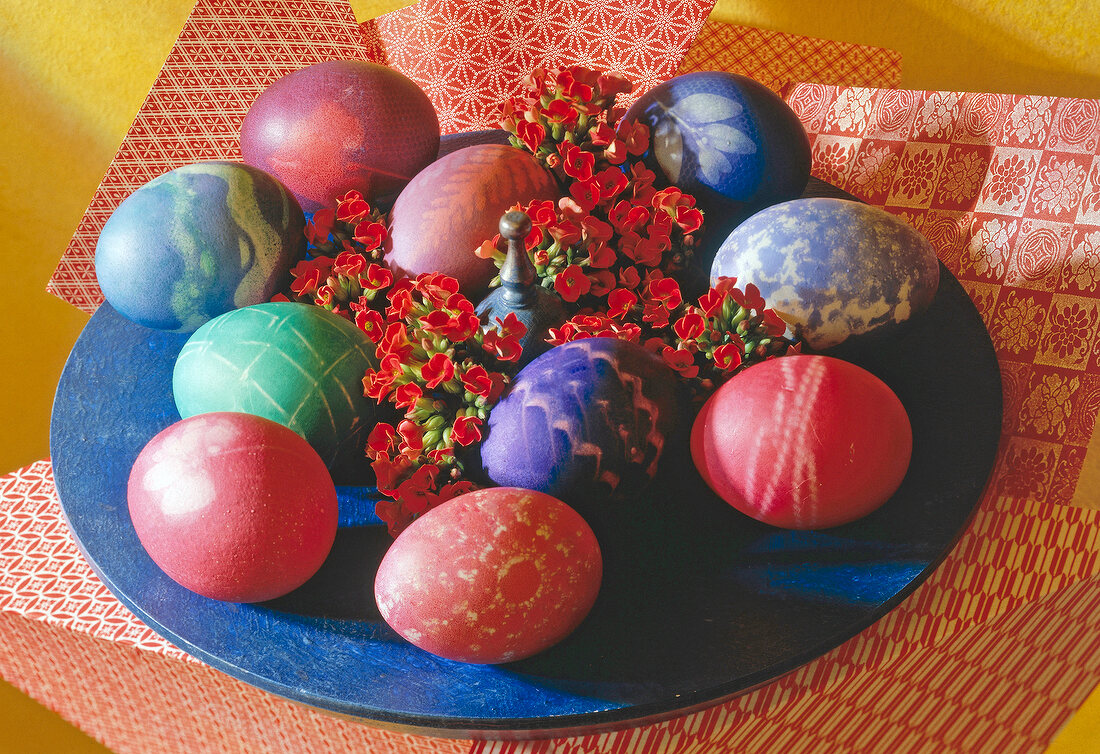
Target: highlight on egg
{"points": [[803, 442], [491, 576]]}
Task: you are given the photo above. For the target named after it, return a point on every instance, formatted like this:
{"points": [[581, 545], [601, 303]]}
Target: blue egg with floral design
{"points": [[199, 241], [728, 140]]}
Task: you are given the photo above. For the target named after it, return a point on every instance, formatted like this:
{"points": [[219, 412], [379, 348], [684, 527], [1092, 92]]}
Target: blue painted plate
{"points": [[698, 604]]}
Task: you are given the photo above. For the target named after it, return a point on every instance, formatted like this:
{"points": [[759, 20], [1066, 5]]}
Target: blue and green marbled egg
{"points": [[196, 242], [833, 269], [296, 364]]}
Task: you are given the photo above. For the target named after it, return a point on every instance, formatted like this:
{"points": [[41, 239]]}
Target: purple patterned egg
{"points": [[455, 204], [833, 269], [341, 125], [581, 419]]}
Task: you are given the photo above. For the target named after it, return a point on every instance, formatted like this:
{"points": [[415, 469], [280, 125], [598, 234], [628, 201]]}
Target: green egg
{"points": [[295, 364]]}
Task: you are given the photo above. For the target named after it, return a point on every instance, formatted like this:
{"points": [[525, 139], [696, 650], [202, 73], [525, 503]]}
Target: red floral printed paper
{"points": [[1007, 188], [470, 56], [776, 59]]}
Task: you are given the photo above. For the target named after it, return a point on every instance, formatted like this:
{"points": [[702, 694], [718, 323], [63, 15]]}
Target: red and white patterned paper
{"points": [[228, 52], [776, 59], [470, 56], [1007, 188]]}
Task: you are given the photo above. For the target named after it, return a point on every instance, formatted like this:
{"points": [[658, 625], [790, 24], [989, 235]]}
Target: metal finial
{"points": [[517, 274]]}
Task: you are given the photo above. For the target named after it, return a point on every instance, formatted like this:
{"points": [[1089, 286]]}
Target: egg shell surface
{"points": [[341, 125], [582, 418], [803, 442], [296, 364], [491, 576], [832, 269], [726, 139], [455, 204], [196, 242], [233, 506]]}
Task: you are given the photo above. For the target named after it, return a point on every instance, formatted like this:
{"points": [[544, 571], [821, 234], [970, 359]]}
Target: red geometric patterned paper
{"points": [[1007, 188], [228, 52], [470, 56], [776, 59]]}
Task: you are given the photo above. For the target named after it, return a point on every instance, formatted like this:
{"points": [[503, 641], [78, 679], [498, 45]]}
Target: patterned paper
{"points": [[227, 53], [776, 59], [470, 56], [1007, 188]]}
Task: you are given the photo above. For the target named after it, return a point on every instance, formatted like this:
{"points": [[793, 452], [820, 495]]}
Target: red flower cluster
{"points": [[444, 371], [706, 344], [613, 228]]}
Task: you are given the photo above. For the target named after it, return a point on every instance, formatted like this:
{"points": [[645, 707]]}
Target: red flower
{"points": [[680, 360], [438, 370], [435, 321], [629, 277], [690, 326], [407, 395], [602, 282], [310, 274], [601, 135], [576, 162], [619, 302], [711, 302], [655, 314], [571, 283], [436, 287], [504, 347], [531, 134], [601, 256], [511, 325], [728, 355], [561, 112], [387, 472], [351, 208], [566, 233], [611, 84], [395, 342], [370, 234], [377, 277], [412, 438], [477, 381], [401, 303], [586, 193], [626, 217], [377, 384], [636, 137], [371, 323], [461, 327], [541, 212], [466, 430], [318, 229], [689, 219], [753, 299], [613, 182], [773, 323], [349, 263], [380, 440], [666, 291]]}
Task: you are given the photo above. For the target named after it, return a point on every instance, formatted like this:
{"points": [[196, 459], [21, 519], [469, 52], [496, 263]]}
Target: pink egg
{"points": [[491, 576], [233, 506], [341, 125], [455, 204], [803, 442]]}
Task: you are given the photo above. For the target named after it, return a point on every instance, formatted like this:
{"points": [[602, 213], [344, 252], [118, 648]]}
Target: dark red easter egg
{"points": [[341, 125], [491, 576], [455, 204], [233, 506], [803, 442]]}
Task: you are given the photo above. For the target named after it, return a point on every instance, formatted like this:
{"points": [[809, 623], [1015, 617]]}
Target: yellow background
{"points": [[74, 73]]}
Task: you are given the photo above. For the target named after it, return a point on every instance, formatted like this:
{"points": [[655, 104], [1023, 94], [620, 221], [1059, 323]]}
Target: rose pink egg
{"points": [[491, 576], [454, 205], [233, 506], [803, 442], [341, 125]]}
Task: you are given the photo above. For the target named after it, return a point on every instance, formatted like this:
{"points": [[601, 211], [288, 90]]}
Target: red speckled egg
{"points": [[803, 442], [341, 125], [233, 506], [491, 576], [455, 204]]}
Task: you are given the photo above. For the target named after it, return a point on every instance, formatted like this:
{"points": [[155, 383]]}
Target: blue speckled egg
{"points": [[581, 419], [725, 138], [833, 269], [196, 242], [296, 364]]}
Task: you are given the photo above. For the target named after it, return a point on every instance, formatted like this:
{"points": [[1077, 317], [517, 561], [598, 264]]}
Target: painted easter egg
{"points": [[296, 364], [196, 242], [803, 442], [833, 269], [454, 204], [581, 419], [341, 125], [726, 139], [491, 576], [233, 506]]}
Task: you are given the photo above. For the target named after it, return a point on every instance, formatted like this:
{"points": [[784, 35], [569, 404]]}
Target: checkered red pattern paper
{"points": [[228, 52], [470, 56], [1007, 188], [776, 59]]}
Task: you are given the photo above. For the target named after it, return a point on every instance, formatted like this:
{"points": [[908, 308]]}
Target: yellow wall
{"points": [[73, 73]]}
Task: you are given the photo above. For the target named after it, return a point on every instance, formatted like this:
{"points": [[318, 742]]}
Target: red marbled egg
{"points": [[341, 125], [233, 506], [455, 204], [491, 576], [803, 442]]}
